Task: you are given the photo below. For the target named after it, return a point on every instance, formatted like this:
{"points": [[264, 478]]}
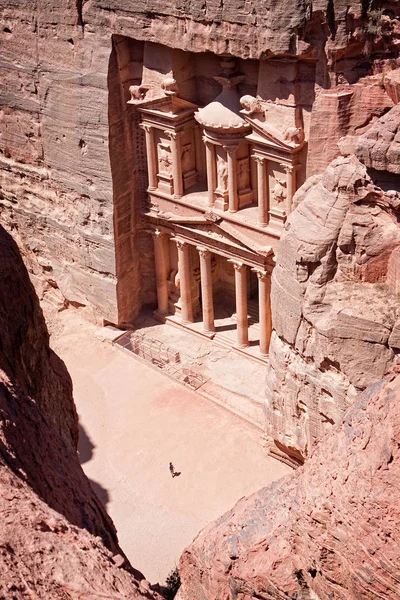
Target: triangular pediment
{"points": [[220, 232]]}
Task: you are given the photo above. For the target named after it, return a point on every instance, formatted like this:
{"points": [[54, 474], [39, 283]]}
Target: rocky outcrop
{"points": [[25, 355], [379, 147], [72, 170], [330, 530], [56, 540], [334, 316]]}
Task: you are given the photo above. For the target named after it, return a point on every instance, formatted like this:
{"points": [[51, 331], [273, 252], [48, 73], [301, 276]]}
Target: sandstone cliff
{"points": [[335, 315], [72, 171], [49, 513], [330, 530]]}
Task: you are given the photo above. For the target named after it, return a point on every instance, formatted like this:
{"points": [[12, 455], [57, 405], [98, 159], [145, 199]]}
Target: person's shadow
{"points": [[177, 473]]}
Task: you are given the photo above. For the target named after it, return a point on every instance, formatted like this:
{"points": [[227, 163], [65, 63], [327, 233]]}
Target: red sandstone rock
{"points": [[330, 530], [379, 148], [56, 540], [72, 158], [332, 311]]}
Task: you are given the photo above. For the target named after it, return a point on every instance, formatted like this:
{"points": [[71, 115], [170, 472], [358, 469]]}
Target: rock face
{"points": [[379, 147], [48, 510], [330, 530], [72, 171], [334, 316]]}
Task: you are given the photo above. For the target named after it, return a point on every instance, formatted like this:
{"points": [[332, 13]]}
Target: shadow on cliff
{"points": [[86, 452], [38, 419]]}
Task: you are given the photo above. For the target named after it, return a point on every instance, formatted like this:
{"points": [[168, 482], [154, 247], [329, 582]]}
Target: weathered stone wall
{"points": [[335, 312], [329, 530], [56, 537], [71, 156]]}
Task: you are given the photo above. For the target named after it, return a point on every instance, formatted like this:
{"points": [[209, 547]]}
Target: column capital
{"points": [[180, 243], [237, 265], [173, 135], [204, 252], [261, 274], [146, 127], [288, 168], [230, 150], [157, 233], [260, 159]]}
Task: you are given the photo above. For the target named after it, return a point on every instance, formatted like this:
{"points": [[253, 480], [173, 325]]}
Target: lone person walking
{"points": [[172, 469]]}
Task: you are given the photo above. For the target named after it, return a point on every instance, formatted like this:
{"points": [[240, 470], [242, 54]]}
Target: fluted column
{"points": [[264, 303], [206, 289], [262, 191], [160, 257], [211, 175], [185, 280], [151, 155], [241, 304], [232, 179], [176, 163]]}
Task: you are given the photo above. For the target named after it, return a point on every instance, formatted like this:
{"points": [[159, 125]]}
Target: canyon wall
{"points": [[329, 530], [334, 292], [56, 538], [72, 157]]}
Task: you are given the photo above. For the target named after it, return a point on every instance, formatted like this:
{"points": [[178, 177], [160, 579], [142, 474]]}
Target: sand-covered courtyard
{"points": [[133, 421]]}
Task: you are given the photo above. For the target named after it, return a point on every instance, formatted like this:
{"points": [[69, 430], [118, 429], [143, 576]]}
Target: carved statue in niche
{"points": [[164, 159], [243, 174], [222, 174], [186, 158], [279, 192]]}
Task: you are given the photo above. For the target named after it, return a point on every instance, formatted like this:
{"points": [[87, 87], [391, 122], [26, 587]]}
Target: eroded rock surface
{"points": [[56, 540], [333, 312], [330, 530], [73, 158], [379, 147]]}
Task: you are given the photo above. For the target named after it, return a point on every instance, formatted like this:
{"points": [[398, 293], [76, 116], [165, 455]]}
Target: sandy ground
{"points": [[134, 420]]}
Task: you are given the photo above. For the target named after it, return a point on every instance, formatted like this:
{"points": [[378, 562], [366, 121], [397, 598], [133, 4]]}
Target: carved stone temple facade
{"points": [[221, 177]]}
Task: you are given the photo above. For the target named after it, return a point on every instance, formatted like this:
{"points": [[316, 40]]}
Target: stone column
{"points": [[232, 179], [161, 262], [176, 163], [185, 281], [262, 191], [206, 289], [264, 303], [211, 175], [290, 185], [241, 304], [151, 156]]}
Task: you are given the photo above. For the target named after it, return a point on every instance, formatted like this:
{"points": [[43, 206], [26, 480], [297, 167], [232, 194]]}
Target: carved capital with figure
{"points": [[204, 252]]}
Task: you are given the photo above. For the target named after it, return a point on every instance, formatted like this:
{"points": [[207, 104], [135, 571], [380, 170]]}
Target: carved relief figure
{"points": [[279, 192], [251, 105], [243, 174], [187, 158], [294, 135], [222, 175], [164, 159]]}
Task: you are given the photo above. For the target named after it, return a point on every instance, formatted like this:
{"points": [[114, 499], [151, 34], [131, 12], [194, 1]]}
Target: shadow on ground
{"points": [[86, 453]]}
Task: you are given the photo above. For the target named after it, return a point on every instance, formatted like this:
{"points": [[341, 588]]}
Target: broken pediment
{"points": [[276, 125]]}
